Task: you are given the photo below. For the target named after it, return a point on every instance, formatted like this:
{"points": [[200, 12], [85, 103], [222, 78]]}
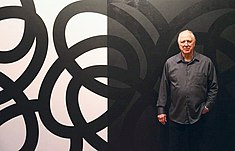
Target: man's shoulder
{"points": [[173, 58], [203, 57]]}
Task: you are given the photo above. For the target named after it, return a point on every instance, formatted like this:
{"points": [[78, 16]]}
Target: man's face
{"points": [[186, 43]]}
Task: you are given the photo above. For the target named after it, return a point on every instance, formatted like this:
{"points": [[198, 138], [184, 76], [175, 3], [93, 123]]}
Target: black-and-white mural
{"points": [[84, 75]]}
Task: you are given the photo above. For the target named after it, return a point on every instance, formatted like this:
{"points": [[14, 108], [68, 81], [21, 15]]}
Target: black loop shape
{"points": [[34, 28]]}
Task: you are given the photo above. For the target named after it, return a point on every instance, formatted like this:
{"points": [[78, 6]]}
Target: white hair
{"points": [[189, 31]]}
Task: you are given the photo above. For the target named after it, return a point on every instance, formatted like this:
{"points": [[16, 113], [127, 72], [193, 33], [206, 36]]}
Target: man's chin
{"points": [[186, 51]]}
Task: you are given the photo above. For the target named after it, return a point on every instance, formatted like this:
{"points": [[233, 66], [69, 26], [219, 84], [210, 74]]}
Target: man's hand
{"points": [[205, 110], [162, 118]]}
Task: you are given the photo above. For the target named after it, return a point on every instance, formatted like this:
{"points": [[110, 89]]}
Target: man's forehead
{"points": [[186, 35]]}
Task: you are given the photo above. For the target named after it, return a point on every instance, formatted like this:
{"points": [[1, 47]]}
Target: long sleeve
{"points": [[163, 91], [212, 87]]}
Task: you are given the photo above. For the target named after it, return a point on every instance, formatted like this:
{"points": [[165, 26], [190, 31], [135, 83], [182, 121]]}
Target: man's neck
{"points": [[187, 57]]}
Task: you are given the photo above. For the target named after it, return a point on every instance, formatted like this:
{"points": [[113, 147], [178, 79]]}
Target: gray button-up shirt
{"points": [[189, 86]]}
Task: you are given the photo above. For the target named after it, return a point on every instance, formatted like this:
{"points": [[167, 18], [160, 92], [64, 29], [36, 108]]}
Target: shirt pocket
{"points": [[199, 79]]}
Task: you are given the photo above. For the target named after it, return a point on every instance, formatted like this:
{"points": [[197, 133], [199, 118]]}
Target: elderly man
{"points": [[189, 82]]}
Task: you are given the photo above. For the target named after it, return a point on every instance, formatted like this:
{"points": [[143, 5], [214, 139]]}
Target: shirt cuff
{"points": [[161, 110]]}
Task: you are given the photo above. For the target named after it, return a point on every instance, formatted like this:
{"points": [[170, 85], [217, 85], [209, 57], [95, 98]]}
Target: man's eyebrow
{"points": [[186, 40]]}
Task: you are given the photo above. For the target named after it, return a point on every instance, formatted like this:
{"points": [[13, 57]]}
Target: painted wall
{"points": [[84, 75]]}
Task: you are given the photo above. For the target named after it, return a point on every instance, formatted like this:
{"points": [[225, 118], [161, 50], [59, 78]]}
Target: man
{"points": [[189, 82]]}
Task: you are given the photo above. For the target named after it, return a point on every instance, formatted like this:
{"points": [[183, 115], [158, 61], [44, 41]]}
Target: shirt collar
{"points": [[180, 58]]}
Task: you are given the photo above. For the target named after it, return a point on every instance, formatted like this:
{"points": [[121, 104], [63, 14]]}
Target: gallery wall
{"points": [[84, 75]]}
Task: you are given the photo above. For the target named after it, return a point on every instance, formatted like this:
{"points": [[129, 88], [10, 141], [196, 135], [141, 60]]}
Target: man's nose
{"points": [[186, 43]]}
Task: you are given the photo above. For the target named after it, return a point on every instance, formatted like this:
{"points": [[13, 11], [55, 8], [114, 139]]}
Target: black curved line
{"points": [[215, 31], [198, 9], [27, 40], [76, 143], [14, 90], [16, 110], [154, 16], [44, 102], [148, 45], [24, 46], [57, 68], [32, 131], [66, 14]]}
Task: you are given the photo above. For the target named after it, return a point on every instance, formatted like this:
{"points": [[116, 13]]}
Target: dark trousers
{"points": [[186, 137]]}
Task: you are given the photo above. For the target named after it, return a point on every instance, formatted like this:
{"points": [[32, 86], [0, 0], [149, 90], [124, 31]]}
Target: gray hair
{"points": [[189, 31]]}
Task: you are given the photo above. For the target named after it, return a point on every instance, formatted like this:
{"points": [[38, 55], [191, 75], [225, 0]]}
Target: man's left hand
{"points": [[205, 110]]}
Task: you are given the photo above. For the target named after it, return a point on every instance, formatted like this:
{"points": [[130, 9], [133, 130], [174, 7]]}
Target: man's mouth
{"points": [[186, 48]]}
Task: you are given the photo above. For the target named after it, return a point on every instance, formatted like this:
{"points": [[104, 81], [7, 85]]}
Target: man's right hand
{"points": [[162, 118]]}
